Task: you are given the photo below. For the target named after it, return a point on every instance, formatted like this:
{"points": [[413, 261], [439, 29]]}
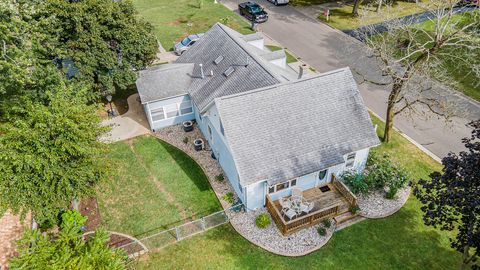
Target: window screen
{"points": [[157, 114], [350, 160], [186, 107], [171, 110]]}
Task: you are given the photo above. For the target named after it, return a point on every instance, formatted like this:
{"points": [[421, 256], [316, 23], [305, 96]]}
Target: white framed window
{"points": [[186, 107], [282, 186], [157, 114], [171, 110], [350, 160]]}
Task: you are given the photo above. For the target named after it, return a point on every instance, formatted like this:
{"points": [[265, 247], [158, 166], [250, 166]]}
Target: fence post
{"points": [[178, 235], [202, 221]]}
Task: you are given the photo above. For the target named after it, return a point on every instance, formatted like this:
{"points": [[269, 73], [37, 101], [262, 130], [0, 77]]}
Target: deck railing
{"points": [[345, 191], [288, 227]]}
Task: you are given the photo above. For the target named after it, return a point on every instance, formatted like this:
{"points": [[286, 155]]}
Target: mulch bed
{"points": [[89, 208]]}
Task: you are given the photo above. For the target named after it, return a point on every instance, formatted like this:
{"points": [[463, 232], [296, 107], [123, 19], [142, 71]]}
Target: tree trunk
{"points": [[389, 121], [356, 5], [379, 5]]}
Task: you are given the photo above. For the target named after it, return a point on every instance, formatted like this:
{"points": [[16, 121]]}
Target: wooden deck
{"points": [[328, 204]]}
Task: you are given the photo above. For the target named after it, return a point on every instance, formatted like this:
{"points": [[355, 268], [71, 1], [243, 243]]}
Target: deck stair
{"points": [[345, 217]]}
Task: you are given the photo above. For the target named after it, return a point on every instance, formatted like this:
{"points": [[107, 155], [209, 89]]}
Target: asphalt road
{"points": [[325, 49]]}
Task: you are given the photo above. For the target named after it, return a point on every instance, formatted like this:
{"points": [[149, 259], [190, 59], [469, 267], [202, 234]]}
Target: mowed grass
{"points": [[341, 18], [466, 81], [154, 186], [290, 57], [401, 241], [176, 19]]}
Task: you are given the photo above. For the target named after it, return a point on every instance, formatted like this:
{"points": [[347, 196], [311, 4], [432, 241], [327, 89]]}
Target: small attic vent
{"points": [[218, 60], [229, 71]]}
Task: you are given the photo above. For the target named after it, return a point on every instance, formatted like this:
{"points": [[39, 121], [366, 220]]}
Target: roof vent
{"points": [[229, 71], [218, 60]]}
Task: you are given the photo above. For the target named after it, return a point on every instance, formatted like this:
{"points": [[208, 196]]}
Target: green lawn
{"points": [[398, 242], [466, 81], [154, 187], [290, 57], [175, 19], [341, 18]]}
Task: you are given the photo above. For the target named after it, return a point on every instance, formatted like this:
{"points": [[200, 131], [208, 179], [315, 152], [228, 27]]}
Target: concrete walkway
{"points": [[131, 124], [325, 49]]}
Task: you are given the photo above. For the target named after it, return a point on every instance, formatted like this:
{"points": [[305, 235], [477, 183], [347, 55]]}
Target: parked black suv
{"points": [[253, 12]]}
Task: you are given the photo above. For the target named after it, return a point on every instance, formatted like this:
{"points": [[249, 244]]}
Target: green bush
{"points": [[228, 197], [356, 182], [262, 221], [327, 223], [220, 177], [383, 172], [322, 231], [354, 209], [185, 140]]}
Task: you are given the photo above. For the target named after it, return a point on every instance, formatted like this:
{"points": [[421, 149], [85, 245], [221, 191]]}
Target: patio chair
{"points": [[296, 192], [285, 203], [308, 207], [289, 213]]}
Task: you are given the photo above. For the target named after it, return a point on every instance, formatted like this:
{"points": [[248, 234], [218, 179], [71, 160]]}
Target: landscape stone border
{"points": [[376, 206]]}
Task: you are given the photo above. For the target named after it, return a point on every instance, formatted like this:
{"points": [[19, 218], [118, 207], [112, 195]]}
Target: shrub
{"points": [[382, 172], [228, 197], [220, 177], [356, 182], [354, 209], [327, 223], [185, 140], [262, 221], [322, 231]]}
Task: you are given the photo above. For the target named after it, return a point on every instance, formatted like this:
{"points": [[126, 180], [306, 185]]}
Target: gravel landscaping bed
{"points": [[271, 239], [175, 136], [375, 205]]}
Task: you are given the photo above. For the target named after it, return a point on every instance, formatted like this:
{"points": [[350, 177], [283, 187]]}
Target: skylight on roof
{"points": [[229, 71], [218, 60]]}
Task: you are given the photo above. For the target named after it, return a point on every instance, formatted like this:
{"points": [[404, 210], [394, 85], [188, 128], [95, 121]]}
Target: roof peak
{"points": [[270, 87]]}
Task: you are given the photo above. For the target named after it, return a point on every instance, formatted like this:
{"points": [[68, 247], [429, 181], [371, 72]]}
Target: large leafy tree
{"points": [[95, 41], [452, 198], [49, 153], [68, 249]]}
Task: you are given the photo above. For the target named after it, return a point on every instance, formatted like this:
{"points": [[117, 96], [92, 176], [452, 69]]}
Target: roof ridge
{"points": [[253, 55], [270, 87]]}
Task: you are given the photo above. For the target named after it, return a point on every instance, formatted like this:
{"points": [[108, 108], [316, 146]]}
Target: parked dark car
{"points": [[253, 11]]}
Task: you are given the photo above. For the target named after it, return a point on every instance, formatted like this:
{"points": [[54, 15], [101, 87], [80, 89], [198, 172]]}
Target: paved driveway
{"points": [[326, 48]]}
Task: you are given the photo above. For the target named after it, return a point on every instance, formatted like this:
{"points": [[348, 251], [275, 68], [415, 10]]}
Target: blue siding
{"points": [[220, 149], [169, 121]]}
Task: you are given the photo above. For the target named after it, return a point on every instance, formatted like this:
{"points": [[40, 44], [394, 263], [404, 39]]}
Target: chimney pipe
{"points": [[301, 70], [201, 71]]}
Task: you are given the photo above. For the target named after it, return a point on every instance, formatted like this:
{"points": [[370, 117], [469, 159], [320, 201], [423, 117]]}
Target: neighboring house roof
{"points": [[250, 70], [289, 130], [164, 81]]}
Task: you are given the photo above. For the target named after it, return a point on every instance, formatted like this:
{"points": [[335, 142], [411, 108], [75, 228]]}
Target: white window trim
{"points": [[289, 186], [164, 115], [347, 160], [179, 105]]}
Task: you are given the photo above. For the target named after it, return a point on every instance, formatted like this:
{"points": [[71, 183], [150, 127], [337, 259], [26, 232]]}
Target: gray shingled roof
{"points": [[164, 81], [251, 71], [281, 132]]}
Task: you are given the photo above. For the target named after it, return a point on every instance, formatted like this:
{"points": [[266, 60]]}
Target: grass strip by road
{"points": [[401, 241], [290, 57]]}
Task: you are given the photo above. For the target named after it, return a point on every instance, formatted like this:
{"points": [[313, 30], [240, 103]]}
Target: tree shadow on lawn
{"points": [[191, 168], [397, 242]]}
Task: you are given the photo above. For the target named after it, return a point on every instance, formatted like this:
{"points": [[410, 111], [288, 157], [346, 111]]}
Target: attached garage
{"points": [[163, 93]]}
